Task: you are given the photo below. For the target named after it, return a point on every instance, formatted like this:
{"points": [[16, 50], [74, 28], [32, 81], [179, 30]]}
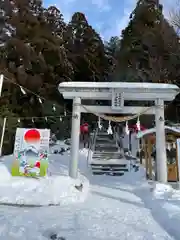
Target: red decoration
{"points": [[134, 128], [32, 135], [84, 128], [38, 164]]}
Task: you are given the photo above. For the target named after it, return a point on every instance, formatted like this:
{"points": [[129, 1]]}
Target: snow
{"points": [[109, 208], [140, 134], [119, 85], [135, 142], [161, 191], [59, 145], [164, 208], [55, 190], [110, 161], [51, 190]]}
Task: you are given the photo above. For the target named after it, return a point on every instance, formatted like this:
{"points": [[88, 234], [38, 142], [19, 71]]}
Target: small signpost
{"points": [[31, 150]]}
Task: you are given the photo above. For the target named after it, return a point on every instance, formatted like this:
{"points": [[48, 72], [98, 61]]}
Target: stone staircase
{"points": [[106, 159]]}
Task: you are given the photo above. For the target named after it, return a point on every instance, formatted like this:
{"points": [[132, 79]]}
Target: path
{"points": [[108, 214]]}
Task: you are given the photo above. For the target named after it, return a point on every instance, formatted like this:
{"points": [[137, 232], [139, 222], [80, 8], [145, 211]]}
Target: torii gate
{"points": [[118, 93]]}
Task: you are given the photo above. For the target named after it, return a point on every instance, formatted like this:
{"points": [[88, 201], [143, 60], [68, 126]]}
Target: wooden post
{"points": [[177, 161], [143, 150]]}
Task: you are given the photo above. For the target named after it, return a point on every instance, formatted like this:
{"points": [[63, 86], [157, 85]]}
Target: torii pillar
{"points": [[75, 134], [161, 158]]}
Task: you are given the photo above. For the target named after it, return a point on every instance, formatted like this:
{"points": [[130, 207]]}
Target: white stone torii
{"points": [[117, 92]]}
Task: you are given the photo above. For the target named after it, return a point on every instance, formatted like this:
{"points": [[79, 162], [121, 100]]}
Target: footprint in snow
{"points": [[54, 236]]}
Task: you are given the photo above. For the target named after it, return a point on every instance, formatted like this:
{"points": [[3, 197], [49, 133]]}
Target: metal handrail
{"points": [[91, 144]]}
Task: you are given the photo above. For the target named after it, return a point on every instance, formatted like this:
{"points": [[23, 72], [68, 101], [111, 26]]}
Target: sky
{"points": [[108, 17]]}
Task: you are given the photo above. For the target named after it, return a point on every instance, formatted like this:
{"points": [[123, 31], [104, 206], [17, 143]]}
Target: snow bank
{"points": [[57, 189], [165, 191], [59, 144], [84, 152], [161, 191], [164, 204], [5, 174]]}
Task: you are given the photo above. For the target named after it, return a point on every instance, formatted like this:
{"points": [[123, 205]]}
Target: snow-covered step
{"points": [[107, 149], [104, 136], [108, 154], [105, 158], [109, 169], [117, 162], [105, 145], [102, 140], [109, 173], [108, 166], [105, 153]]}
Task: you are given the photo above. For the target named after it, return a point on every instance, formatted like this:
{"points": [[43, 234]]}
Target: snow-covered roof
{"points": [[130, 85], [153, 130]]}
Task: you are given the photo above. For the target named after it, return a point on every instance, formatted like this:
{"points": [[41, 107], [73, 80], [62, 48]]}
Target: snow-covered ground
{"points": [[55, 189], [108, 208]]}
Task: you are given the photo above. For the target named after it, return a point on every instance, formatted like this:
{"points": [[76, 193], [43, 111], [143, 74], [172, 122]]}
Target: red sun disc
{"points": [[32, 135]]}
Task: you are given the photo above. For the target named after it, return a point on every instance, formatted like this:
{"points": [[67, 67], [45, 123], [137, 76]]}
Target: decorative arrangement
{"points": [[31, 150], [99, 123], [109, 130], [127, 128]]}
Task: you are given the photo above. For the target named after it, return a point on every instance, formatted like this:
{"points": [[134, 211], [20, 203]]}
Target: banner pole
{"points": [[2, 135]]}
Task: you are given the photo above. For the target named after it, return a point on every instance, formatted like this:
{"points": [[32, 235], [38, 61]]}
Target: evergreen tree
{"points": [[21, 60], [56, 55], [113, 46], [5, 31], [138, 39], [148, 45], [112, 49], [35, 56], [55, 21], [87, 50]]}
